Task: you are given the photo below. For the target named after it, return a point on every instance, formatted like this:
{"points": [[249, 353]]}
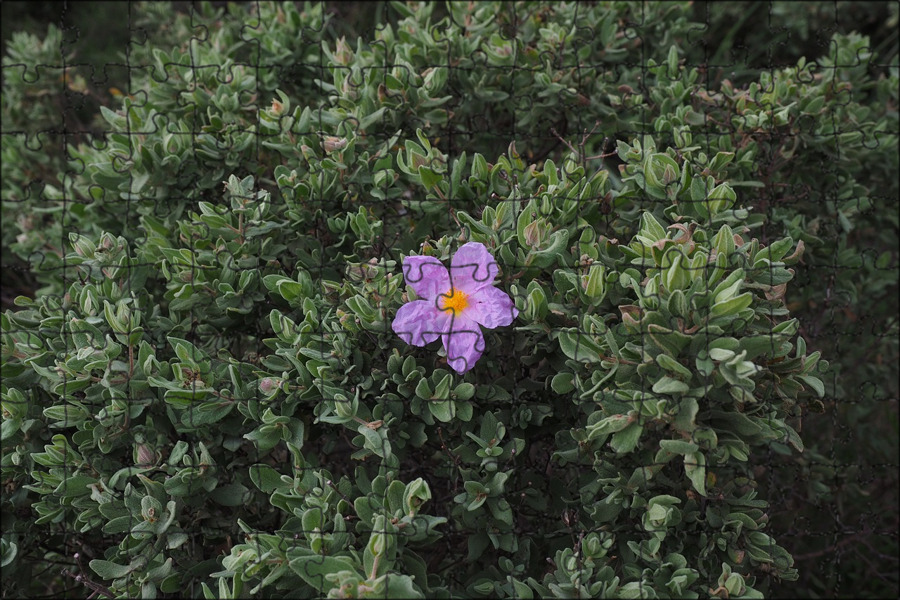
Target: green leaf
{"points": [[75, 485], [442, 388], [676, 276], [429, 177], [553, 251], [110, 570], [695, 469], [314, 568], [660, 172], [563, 383], [775, 251], [608, 425], [625, 441], [670, 364], [443, 410], [755, 345], [171, 584], [815, 383], [374, 441], [464, 391], [687, 413], [207, 413], [720, 160], [265, 436], [721, 198], [724, 242], [186, 351], [9, 552], [667, 385], [120, 524], [672, 62], [679, 446], [579, 346], [670, 341], [266, 478], [477, 544], [732, 306], [521, 590], [650, 227], [423, 390], [400, 586], [394, 496], [232, 494], [595, 286], [736, 422], [285, 287]]}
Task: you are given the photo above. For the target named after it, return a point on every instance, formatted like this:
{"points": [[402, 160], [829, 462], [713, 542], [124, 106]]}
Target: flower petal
{"points": [[473, 268], [426, 276], [420, 322], [464, 344], [491, 307]]}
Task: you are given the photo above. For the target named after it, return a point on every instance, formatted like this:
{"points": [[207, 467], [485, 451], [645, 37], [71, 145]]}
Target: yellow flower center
{"points": [[456, 301]]}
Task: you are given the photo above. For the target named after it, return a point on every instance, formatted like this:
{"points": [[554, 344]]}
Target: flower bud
{"points": [[378, 542], [349, 90], [144, 456], [332, 143], [344, 407], [595, 281], [417, 493], [82, 245], [342, 52], [536, 233], [150, 508], [268, 385]]}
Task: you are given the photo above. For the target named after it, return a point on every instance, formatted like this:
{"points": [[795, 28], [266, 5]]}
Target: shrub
{"points": [[205, 394]]}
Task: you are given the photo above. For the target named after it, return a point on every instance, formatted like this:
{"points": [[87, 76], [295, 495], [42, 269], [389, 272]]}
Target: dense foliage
{"points": [[202, 393]]}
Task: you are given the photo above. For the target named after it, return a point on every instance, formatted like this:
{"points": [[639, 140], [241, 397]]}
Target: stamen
{"points": [[456, 301]]}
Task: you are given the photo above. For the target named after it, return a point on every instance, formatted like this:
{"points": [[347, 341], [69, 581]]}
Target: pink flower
{"points": [[455, 305]]}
